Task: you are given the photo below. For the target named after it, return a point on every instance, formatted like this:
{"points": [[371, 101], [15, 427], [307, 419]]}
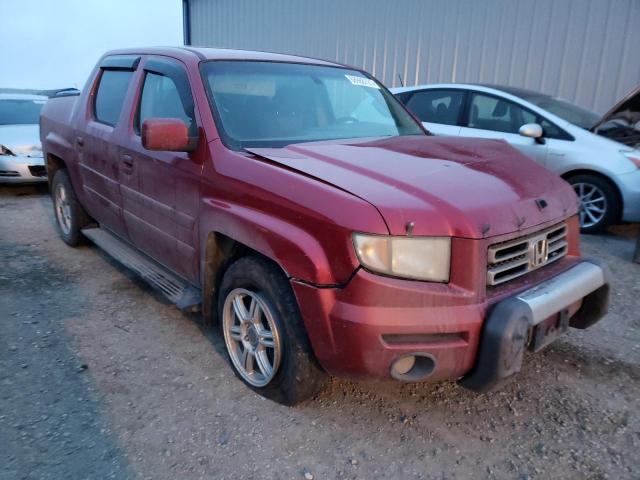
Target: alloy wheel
{"points": [[63, 209], [251, 336], [593, 204]]}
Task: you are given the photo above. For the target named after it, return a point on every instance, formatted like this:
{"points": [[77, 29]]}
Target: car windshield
{"points": [[20, 112], [567, 111], [272, 104]]}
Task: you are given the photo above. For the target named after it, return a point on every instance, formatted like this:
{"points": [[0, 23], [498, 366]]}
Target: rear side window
{"points": [[437, 106], [161, 99], [110, 95]]}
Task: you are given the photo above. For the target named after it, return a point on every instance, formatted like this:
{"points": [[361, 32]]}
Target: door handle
{"points": [[80, 141], [127, 160]]}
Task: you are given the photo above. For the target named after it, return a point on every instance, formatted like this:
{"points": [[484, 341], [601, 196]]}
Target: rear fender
{"points": [[60, 153]]}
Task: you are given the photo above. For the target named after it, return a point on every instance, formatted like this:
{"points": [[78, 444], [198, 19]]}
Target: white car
{"points": [[20, 152], [599, 156]]}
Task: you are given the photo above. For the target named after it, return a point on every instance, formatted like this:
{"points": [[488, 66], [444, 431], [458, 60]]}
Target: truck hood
{"points": [[459, 187], [21, 140]]}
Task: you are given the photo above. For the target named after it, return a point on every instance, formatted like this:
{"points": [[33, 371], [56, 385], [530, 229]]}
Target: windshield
{"points": [[269, 104], [567, 111], [20, 112]]}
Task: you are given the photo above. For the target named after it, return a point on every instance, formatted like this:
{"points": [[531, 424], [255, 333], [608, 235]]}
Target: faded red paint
{"points": [[300, 205]]}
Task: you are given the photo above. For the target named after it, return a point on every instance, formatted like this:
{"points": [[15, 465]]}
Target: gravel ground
{"points": [[101, 378]]}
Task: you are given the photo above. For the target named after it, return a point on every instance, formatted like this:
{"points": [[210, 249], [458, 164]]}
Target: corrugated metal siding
{"points": [[583, 50]]}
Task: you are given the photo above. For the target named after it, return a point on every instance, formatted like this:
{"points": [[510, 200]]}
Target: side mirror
{"points": [[532, 130], [169, 134]]}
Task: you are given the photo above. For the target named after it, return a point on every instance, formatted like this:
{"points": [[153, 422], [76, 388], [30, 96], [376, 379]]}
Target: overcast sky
{"points": [[56, 43]]}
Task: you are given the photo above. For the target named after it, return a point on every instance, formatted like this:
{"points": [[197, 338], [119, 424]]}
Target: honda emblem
{"points": [[539, 252]]}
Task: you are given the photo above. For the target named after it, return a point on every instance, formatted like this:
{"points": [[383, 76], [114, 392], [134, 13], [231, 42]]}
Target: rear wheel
{"points": [[599, 205], [265, 339], [70, 216]]}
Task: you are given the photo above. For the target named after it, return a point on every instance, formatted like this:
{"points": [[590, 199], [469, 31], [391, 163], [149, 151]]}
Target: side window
{"points": [[160, 99], [529, 117], [492, 113], [110, 95], [550, 130], [437, 106]]}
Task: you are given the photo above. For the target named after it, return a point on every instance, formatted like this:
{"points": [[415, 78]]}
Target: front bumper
{"points": [[509, 326], [360, 330], [629, 184], [20, 169]]}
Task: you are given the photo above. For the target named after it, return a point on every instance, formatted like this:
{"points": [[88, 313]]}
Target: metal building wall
{"points": [[587, 51]]}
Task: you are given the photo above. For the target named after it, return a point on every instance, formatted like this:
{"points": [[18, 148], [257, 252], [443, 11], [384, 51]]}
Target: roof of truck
{"points": [[207, 53]]}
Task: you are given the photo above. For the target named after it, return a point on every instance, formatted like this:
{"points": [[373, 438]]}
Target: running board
{"points": [[185, 296]]}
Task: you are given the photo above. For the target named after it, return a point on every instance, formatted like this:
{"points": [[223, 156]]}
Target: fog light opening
{"points": [[413, 367], [404, 365]]}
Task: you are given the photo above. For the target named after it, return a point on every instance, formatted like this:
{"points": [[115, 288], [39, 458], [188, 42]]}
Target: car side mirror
{"points": [[167, 134], [532, 130]]}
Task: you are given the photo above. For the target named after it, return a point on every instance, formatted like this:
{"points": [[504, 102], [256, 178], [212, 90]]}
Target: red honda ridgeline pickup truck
{"points": [[301, 207]]}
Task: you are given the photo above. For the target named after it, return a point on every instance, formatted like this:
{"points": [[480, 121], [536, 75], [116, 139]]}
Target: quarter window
{"points": [[549, 129], [160, 99], [110, 95], [437, 106]]}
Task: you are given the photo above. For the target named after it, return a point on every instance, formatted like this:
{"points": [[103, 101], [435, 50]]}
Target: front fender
{"points": [[298, 252], [300, 222]]}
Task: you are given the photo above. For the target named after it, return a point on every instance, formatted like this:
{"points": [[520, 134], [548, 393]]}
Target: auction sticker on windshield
{"points": [[362, 81]]}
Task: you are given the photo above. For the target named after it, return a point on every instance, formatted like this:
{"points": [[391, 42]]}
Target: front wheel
{"points": [[599, 205], [263, 332]]}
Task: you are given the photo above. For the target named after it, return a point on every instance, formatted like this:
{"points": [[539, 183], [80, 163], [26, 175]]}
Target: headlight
{"points": [[417, 258], [633, 155], [5, 151]]}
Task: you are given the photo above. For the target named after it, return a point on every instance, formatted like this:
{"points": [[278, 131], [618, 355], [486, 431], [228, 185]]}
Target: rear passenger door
{"points": [[439, 110], [490, 116], [161, 205], [97, 141]]}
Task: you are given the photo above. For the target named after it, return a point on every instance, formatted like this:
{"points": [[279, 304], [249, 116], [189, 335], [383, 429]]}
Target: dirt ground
{"points": [[101, 378]]}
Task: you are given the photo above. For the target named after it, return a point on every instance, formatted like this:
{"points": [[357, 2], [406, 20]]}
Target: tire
{"points": [[69, 214], [263, 289], [603, 208]]}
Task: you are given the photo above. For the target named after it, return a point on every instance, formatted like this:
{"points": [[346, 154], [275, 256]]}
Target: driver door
{"points": [[161, 203], [489, 116]]}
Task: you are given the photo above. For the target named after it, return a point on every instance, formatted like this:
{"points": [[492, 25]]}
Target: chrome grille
{"points": [[514, 258]]}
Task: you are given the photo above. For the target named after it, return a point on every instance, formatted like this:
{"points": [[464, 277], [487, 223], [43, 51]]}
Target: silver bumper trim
{"points": [[556, 294], [508, 326]]}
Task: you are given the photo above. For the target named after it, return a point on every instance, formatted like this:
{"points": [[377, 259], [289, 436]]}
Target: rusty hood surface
{"points": [[459, 187]]}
